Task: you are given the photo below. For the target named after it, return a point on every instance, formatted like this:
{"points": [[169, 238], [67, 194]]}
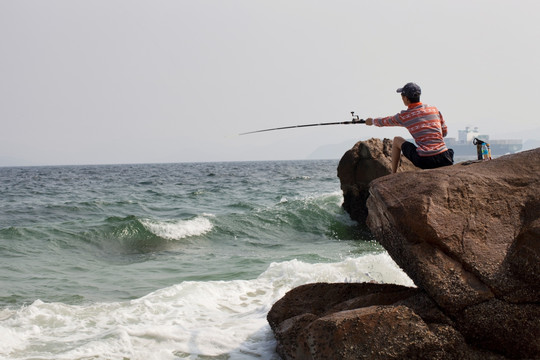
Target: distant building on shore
{"points": [[463, 146]]}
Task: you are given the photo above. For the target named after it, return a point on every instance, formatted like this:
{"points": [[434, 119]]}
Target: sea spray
{"points": [[210, 318], [179, 229]]}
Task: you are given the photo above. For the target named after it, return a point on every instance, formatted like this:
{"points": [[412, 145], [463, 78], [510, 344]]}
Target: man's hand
{"points": [[369, 121]]}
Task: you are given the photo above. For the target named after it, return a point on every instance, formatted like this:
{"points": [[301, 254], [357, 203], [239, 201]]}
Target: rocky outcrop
{"points": [[469, 238], [365, 321], [366, 161]]}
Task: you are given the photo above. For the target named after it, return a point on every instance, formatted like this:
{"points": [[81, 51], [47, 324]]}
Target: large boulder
{"points": [[469, 238], [365, 162], [365, 321], [468, 235]]}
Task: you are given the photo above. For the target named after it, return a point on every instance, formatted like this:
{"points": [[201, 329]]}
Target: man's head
{"points": [[411, 91]]}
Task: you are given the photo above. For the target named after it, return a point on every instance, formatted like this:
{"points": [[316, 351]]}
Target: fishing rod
{"points": [[355, 120]]}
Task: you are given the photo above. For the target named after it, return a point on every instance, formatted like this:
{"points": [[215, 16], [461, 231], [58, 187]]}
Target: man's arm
{"points": [[385, 121], [443, 125]]}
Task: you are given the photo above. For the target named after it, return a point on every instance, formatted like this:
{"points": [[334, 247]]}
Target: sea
{"points": [[169, 261]]}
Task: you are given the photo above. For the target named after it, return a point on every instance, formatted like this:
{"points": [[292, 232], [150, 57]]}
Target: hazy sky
{"points": [[131, 81]]}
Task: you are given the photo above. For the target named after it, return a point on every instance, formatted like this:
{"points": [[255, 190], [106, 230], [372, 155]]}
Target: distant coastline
{"points": [[466, 150]]}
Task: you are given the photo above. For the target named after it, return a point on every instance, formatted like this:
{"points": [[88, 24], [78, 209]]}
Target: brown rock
{"points": [[294, 317], [374, 332], [468, 236], [508, 328], [523, 256], [366, 161], [323, 298], [365, 321]]}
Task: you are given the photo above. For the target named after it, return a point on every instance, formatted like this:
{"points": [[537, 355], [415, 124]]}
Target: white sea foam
{"points": [[187, 320], [179, 229]]}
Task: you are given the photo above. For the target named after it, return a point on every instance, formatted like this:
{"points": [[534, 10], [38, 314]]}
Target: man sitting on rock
{"points": [[427, 127]]}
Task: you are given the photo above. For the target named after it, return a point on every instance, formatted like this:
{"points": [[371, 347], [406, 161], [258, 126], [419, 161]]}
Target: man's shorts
{"points": [[427, 162]]}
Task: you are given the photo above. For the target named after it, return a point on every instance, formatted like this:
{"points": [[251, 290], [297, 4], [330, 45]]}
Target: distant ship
{"points": [[463, 146]]}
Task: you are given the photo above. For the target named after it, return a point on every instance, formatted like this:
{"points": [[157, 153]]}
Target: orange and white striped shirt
{"points": [[426, 125]]}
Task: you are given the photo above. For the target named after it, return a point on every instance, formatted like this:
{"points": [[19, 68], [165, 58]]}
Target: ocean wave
{"points": [[377, 267], [302, 217], [286, 215], [315, 214], [189, 320], [131, 234], [179, 229]]}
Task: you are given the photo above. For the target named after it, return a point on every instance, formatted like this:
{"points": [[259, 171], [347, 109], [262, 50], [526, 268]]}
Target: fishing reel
{"points": [[356, 119]]}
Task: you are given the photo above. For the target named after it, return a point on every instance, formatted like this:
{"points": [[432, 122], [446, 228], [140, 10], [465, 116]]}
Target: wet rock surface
{"points": [[469, 238]]}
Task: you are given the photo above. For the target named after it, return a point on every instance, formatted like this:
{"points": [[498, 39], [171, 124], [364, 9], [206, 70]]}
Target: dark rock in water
{"points": [[366, 161], [469, 238], [365, 321]]}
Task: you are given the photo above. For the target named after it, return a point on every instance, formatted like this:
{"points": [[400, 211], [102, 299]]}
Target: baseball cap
{"points": [[410, 90]]}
